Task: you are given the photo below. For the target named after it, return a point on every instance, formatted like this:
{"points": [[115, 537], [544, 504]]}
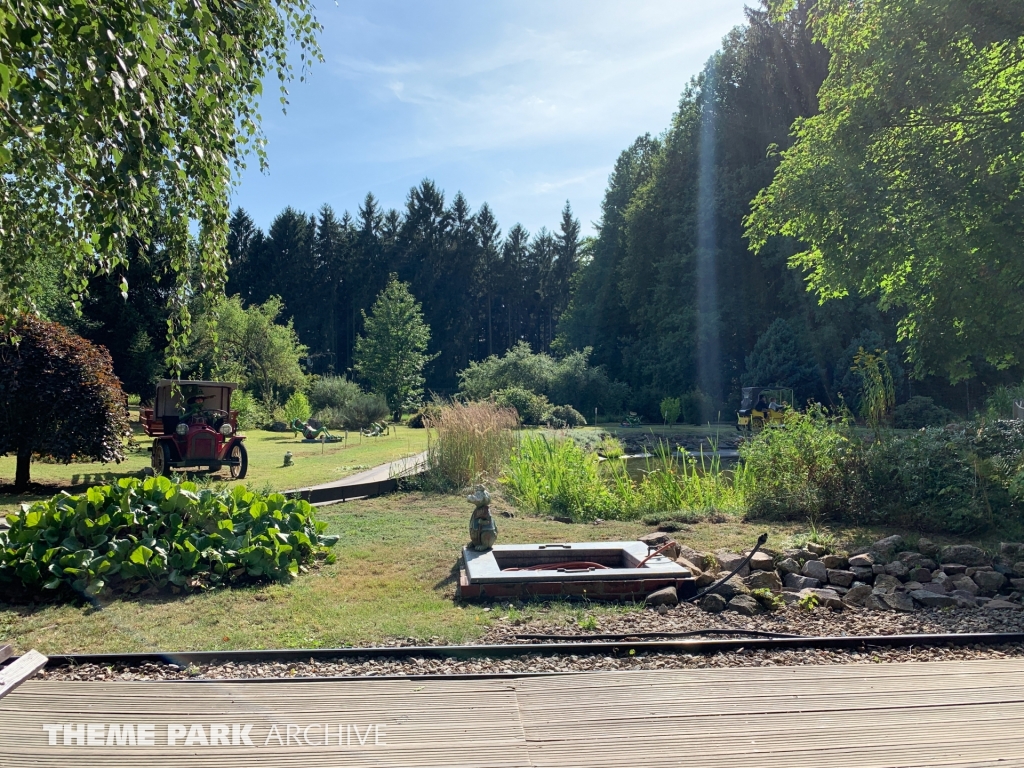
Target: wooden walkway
{"points": [[948, 714]]}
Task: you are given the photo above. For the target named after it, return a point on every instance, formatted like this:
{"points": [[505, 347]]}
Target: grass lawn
{"points": [[394, 578], [314, 463]]}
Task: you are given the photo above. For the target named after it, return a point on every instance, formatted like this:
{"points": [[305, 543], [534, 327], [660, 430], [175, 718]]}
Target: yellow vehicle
{"points": [[761, 406]]}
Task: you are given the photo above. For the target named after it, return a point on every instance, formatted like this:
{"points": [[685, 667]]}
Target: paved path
{"points": [[939, 715], [370, 482]]}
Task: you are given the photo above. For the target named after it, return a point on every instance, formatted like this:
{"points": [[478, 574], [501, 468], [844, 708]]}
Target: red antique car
{"points": [[194, 426]]}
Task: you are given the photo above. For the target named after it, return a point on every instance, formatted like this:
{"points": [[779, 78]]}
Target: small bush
{"points": [[136, 534], [530, 406], [297, 407], [473, 441], [697, 408], [363, 411], [671, 407], [252, 414], [919, 412], [610, 448], [334, 392], [562, 416], [804, 468], [424, 415], [330, 418]]}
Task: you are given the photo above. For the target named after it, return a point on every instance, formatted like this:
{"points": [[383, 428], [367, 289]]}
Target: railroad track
{"points": [[697, 642]]}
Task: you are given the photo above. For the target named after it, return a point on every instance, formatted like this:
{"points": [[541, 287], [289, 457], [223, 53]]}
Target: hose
{"points": [[707, 591]]}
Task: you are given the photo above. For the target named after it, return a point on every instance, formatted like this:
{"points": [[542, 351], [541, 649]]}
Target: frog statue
{"points": [[482, 530]]}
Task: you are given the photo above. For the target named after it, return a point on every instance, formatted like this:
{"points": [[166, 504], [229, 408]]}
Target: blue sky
{"points": [[521, 104]]}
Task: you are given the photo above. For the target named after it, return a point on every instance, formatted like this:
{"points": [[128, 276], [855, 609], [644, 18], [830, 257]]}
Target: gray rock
{"points": [[1017, 583], [964, 584], [695, 557], [744, 605], [910, 559], [910, 586], [932, 600], [1018, 569], [886, 548], [690, 566], [878, 568], [727, 561], [971, 570], [732, 587], [989, 581], [666, 596], [816, 570], [928, 563], [789, 565], [840, 578], [940, 578], [1002, 605], [804, 554], [887, 584], [858, 595], [964, 554], [927, 547], [795, 581], [954, 569], [934, 586], [713, 603], [863, 573], [764, 580], [964, 599], [897, 569], [762, 561], [920, 574], [1011, 550], [876, 603], [865, 560], [834, 561], [899, 601], [827, 598], [706, 579], [817, 549]]}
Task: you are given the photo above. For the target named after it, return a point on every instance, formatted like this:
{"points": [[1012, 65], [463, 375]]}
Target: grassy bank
{"points": [[394, 578], [313, 463]]}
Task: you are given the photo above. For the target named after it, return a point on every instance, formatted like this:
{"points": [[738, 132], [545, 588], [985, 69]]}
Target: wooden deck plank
{"points": [[17, 672], [940, 715]]}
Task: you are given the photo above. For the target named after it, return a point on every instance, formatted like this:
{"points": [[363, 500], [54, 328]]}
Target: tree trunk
{"points": [[21, 475]]}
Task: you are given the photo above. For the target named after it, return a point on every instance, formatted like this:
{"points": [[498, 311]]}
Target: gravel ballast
{"points": [[795, 620]]}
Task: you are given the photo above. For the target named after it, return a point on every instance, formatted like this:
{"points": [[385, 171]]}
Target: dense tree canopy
{"points": [[481, 293], [908, 185], [113, 111], [59, 397]]}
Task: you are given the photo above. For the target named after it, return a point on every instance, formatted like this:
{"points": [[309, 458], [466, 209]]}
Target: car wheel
{"points": [[161, 460], [240, 455]]}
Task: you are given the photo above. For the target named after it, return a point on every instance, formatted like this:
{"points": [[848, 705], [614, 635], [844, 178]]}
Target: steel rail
{"points": [[545, 649], [623, 636]]}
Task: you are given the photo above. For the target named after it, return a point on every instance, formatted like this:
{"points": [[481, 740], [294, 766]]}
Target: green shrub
{"points": [[999, 404], [807, 467], [531, 407], [671, 407], [330, 418], [252, 414], [135, 534], [363, 411], [697, 408], [332, 392], [562, 416], [297, 408], [610, 448], [919, 412], [570, 379]]}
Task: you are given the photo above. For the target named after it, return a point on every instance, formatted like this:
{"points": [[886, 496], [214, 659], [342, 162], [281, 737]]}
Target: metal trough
{"points": [[604, 570]]}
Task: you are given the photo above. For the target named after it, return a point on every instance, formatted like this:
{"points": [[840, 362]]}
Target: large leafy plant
{"points": [[135, 534]]}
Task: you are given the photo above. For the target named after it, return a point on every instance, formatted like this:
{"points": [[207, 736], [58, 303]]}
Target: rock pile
{"points": [[888, 576]]}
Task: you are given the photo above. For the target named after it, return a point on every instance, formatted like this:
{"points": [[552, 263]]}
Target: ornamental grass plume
{"points": [[471, 440]]}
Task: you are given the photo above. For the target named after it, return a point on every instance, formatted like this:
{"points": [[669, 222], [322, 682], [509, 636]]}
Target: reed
{"points": [[470, 442]]}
